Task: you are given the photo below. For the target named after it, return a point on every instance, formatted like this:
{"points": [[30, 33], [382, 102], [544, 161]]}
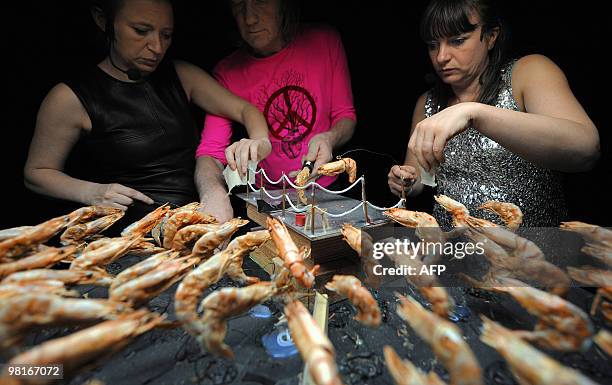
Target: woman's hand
{"points": [[401, 178], [319, 151], [239, 153], [431, 135], [113, 195]]}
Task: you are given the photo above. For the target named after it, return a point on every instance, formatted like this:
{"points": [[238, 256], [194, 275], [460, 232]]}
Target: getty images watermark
{"points": [[414, 250]]}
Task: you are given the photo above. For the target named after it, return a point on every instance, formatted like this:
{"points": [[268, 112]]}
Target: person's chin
{"points": [[146, 69], [449, 78]]}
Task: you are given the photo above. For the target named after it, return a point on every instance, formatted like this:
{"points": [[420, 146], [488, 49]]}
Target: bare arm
{"points": [[554, 132], [59, 123], [206, 92], [211, 188], [407, 175], [340, 133]]}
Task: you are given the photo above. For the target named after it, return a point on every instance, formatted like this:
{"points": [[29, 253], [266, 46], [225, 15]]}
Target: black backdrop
{"points": [[47, 41]]}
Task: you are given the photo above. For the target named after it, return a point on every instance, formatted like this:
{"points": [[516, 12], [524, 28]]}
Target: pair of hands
{"points": [[239, 153]]}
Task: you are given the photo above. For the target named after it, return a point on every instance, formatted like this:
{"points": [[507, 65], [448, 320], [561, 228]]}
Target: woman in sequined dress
{"points": [[493, 129]]}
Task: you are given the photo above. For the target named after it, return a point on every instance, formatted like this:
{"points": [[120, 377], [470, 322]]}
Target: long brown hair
{"points": [[447, 18]]}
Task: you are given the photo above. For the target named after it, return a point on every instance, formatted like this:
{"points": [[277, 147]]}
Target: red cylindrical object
{"points": [[300, 219]]}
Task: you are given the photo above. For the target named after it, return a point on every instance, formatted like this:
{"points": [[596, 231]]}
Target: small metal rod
{"points": [[312, 210], [404, 195], [261, 186], [364, 200], [284, 193], [247, 181]]}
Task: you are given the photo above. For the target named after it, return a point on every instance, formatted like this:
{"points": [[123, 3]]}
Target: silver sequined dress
{"points": [[477, 169]]}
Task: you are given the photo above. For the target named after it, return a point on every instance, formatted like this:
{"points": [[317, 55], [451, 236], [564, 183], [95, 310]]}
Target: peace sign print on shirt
{"points": [[291, 115]]}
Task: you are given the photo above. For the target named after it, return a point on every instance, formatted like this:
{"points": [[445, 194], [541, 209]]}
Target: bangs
{"points": [[443, 19]]}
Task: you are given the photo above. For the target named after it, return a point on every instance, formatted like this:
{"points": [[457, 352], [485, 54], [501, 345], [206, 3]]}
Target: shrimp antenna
{"points": [[385, 155]]}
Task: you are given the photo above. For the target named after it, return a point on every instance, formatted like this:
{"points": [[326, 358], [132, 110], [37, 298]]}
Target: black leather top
{"points": [[143, 134]]}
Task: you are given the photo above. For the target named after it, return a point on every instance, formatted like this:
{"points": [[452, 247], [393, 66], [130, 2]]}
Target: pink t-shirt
{"points": [[302, 90]]}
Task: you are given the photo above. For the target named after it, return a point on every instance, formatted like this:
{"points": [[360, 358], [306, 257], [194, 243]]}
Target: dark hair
{"points": [[111, 8], [289, 14], [446, 18]]}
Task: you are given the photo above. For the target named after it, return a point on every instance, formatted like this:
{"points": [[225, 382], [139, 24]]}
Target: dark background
{"points": [[47, 41]]}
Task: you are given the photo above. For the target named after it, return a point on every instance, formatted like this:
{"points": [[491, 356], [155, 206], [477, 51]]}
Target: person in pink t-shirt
{"points": [[298, 77]]}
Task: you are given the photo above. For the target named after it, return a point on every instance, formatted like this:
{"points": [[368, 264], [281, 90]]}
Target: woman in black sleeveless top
{"points": [[130, 118]]}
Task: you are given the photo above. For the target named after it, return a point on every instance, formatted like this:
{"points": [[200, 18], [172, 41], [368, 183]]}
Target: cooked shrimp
{"points": [[48, 286], [352, 236], [603, 339], [228, 261], [157, 231], [368, 312], [597, 278], [510, 213], [561, 324], [405, 373], [47, 258], [29, 239], [529, 365], [593, 234], [519, 247], [189, 206], [603, 253], [459, 212], [292, 257], [194, 284], [532, 269], [85, 214], [411, 219], [441, 303], [85, 347], [314, 346], [104, 251], [428, 285], [21, 313], [445, 339], [141, 268], [147, 223], [145, 249], [363, 244], [181, 219], [300, 180], [13, 232], [242, 245], [211, 240], [347, 165], [426, 228], [77, 233], [185, 238], [98, 277], [140, 290], [223, 304]]}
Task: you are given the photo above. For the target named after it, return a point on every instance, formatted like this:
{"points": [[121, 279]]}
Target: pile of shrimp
{"points": [[560, 325], [176, 245], [189, 249]]}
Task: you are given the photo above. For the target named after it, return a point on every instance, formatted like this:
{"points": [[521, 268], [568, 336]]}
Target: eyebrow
{"points": [[147, 25]]}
